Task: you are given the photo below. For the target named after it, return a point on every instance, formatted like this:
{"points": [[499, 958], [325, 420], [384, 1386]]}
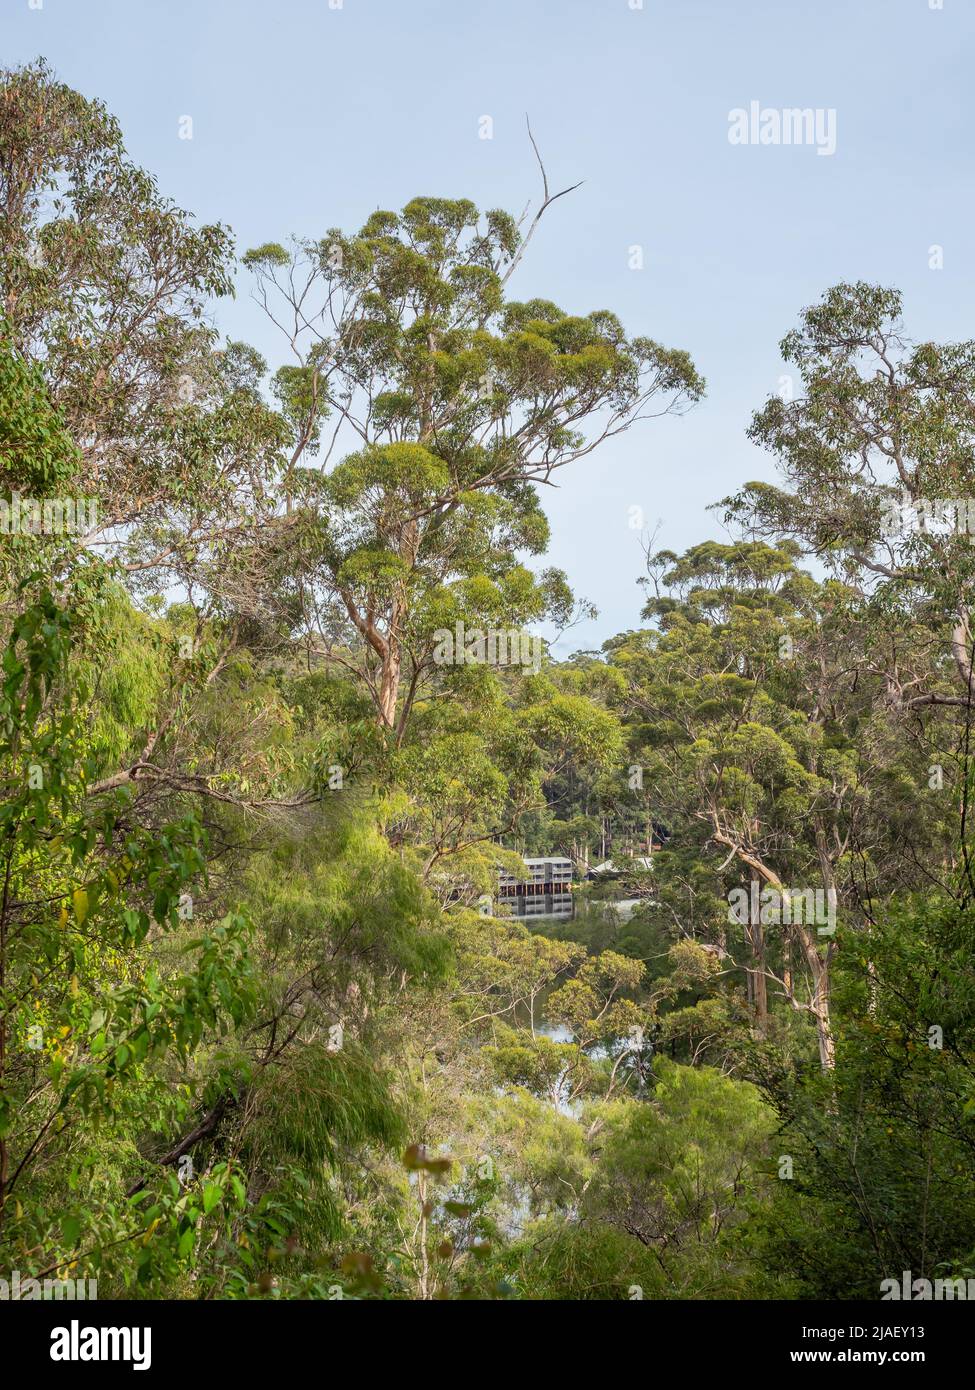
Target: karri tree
{"points": [[426, 406]]}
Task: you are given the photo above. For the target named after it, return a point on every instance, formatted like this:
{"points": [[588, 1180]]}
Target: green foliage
{"points": [[266, 1030], [37, 454], [86, 1011], [882, 1151]]}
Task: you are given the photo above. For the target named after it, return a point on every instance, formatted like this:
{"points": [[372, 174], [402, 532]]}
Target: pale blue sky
{"points": [[307, 117]]}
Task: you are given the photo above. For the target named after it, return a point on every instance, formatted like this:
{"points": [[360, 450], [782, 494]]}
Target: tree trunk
{"points": [[818, 965], [389, 685], [819, 971], [757, 983]]}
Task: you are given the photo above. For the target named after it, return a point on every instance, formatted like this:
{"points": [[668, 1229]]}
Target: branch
{"points": [[547, 200]]}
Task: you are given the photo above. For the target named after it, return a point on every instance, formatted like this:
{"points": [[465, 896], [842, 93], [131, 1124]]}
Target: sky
{"points": [[309, 114]]}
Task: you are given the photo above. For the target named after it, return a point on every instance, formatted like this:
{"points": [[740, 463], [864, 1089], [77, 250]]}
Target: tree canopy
{"points": [[280, 1017]]}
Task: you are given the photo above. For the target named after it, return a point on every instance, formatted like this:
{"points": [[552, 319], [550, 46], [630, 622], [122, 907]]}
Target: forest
{"points": [[269, 1029]]}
